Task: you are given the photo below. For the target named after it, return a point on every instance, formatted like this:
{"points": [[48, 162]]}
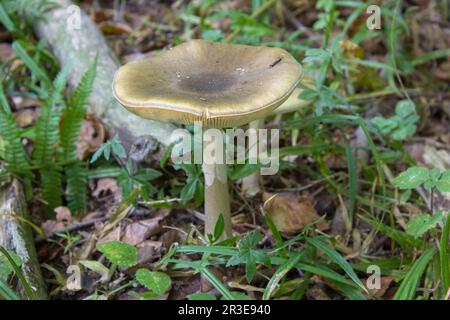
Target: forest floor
{"points": [[362, 192]]}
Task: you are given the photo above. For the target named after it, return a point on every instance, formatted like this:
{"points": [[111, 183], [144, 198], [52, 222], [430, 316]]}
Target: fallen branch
{"points": [[16, 235]]}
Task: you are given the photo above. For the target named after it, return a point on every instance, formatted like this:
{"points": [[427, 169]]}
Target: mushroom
{"points": [[219, 85], [251, 185]]}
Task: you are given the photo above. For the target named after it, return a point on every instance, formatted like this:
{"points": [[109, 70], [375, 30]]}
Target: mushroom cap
{"points": [[220, 85]]}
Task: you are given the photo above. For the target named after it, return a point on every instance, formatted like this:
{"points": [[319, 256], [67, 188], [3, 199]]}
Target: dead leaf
{"points": [[385, 283], [291, 213], [92, 135], [63, 220], [114, 28], [111, 236], [147, 250], [443, 71], [351, 50], [6, 52], [26, 117], [105, 186], [137, 232]]}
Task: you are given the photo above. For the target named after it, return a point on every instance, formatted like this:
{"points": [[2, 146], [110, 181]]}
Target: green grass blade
{"points": [[217, 284], [337, 258], [6, 20], [276, 234], [280, 273], [409, 284], [6, 292], [352, 176], [430, 56], [444, 256], [26, 287], [30, 63]]}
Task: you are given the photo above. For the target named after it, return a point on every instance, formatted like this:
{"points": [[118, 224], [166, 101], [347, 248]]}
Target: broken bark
{"points": [[16, 235], [75, 40]]}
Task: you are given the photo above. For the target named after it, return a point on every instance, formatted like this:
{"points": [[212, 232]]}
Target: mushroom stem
{"points": [[251, 184], [217, 199]]}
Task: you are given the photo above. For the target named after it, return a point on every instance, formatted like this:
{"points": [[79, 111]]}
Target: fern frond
{"points": [[15, 155], [47, 133], [76, 177], [73, 115], [51, 179]]}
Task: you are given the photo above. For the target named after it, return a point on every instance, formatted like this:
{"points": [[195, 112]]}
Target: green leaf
{"points": [[219, 227], [119, 253], [248, 255], [406, 241], [6, 20], [96, 266], [412, 178], [279, 274], [158, 282], [30, 63], [76, 178], [337, 258], [6, 292], [25, 285], [407, 289], [6, 268], [201, 296], [443, 184], [444, 256], [422, 223], [405, 108], [74, 114], [242, 170]]}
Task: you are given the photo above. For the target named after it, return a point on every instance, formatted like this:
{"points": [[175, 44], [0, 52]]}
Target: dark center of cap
{"points": [[205, 83]]}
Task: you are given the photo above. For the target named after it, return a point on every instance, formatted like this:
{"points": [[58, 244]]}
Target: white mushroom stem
{"points": [[251, 184], [217, 198]]}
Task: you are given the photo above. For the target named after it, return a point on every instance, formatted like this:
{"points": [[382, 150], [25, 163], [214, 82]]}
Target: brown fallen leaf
{"points": [[105, 186], [114, 28], [26, 117], [111, 236], [92, 135], [385, 283], [291, 213], [443, 71], [351, 50], [62, 221], [137, 232], [147, 250]]}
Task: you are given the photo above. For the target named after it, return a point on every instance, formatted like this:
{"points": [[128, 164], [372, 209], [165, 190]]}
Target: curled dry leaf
{"points": [[147, 250], [111, 236], [92, 135], [385, 283], [105, 186], [115, 28], [443, 71], [291, 213], [26, 117], [137, 232], [63, 220]]}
